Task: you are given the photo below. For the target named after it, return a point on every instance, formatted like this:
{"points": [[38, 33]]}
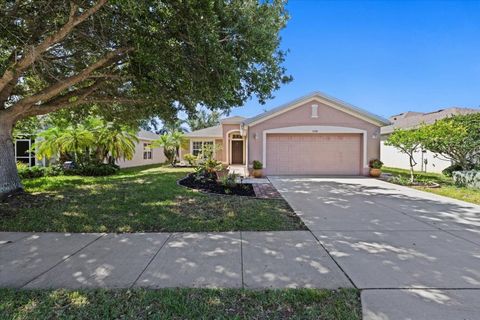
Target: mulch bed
{"points": [[243, 189]]}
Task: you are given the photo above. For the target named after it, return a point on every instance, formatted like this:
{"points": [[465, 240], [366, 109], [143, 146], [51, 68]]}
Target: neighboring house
{"points": [[427, 161], [313, 135], [144, 153]]}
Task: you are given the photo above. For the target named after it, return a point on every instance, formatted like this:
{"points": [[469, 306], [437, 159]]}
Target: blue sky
{"points": [[383, 56]]}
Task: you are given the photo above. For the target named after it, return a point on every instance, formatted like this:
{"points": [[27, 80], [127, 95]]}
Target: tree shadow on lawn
{"points": [[147, 200]]}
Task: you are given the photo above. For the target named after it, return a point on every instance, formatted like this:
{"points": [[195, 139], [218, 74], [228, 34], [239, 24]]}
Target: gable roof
{"points": [[324, 98], [147, 135], [233, 120], [210, 132], [410, 120]]}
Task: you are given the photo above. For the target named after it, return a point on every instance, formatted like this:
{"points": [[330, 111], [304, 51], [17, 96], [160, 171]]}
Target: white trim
{"points": [[315, 129], [201, 140], [322, 100]]}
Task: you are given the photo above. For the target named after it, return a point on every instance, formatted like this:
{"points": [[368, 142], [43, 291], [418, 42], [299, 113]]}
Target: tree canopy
{"points": [[133, 60]]}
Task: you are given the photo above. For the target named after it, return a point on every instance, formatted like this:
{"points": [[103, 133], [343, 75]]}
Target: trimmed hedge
{"points": [[469, 179]]}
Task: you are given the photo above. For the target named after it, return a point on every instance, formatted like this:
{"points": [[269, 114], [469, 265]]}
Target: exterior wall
{"points": [[302, 116], [137, 160], [391, 157]]}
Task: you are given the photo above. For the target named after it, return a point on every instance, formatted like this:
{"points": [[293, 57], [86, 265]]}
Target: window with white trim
{"points": [[197, 146], [147, 151]]}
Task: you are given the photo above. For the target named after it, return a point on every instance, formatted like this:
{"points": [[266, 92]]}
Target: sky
{"points": [[383, 56]]}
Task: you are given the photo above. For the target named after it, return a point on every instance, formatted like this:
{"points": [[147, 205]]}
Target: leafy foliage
{"points": [[407, 142], [455, 138], [191, 159], [375, 164], [171, 144], [257, 165], [204, 119]]}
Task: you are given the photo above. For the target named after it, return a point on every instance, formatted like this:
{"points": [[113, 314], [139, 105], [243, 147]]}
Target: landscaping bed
{"points": [[212, 186], [342, 304], [434, 183]]}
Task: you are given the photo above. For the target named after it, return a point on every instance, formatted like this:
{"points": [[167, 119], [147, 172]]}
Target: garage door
{"points": [[309, 154]]}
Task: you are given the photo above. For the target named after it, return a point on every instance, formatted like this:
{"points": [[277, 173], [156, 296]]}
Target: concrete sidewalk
{"points": [[156, 260]]}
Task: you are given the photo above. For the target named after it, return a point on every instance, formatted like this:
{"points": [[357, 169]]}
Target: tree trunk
{"points": [[9, 179], [412, 175]]}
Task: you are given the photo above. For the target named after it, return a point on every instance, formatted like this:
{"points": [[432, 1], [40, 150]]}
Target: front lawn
{"points": [[447, 187], [145, 199], [181, 304]]}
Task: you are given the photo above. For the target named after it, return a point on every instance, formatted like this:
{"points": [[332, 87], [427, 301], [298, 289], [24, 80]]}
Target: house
{"points": [[427, 161], [312, 135], [144, 153]]}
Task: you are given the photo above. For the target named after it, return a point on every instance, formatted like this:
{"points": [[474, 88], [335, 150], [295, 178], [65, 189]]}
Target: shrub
{"points": [[375, 164], [26, 172], [96, 169], [470, 179], [191, 159], [229, 180], [449, 170], [257, 165], [401, 180], [54, 170]]}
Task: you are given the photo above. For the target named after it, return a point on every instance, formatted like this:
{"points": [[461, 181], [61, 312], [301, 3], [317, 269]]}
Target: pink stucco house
{"points": [[313, 135]]}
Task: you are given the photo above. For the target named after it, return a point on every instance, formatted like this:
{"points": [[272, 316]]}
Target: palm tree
{"points": [[70, 140], [115, 142], [204, 119], [166, 142]]}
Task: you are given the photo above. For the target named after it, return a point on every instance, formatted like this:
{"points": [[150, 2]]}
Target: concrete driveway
{"points": [[415, 255]]}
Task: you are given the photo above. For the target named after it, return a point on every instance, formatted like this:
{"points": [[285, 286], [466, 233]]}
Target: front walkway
{"points": [[156, 260]]}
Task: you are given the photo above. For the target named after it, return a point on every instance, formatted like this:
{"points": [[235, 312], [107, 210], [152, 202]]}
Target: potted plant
{"points": [[375, 168], [257, 169]]}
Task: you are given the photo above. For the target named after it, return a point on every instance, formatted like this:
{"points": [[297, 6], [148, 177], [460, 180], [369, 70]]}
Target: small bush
{"points": [[95, 169], [448, 171], [229, 180], [31, 172], [401, 180], [191, 159], [54, 170], [375, 164], [257, 165], [470, 179]]}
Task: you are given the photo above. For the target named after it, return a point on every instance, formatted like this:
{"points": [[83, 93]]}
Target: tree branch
{"points": [[13, 73], [27, 103]]}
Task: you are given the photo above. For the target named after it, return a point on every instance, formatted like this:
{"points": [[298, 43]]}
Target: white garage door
{"points": [[313, 154]]}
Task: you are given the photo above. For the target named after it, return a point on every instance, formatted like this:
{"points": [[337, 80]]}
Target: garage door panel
{"points": [[323, 154]]}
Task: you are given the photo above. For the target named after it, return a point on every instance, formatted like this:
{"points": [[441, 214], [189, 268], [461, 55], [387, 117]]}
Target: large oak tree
{"points": [[133, 59]]}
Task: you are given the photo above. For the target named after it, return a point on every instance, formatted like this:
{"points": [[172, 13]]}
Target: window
{"points": [[147, 151], [197, 146], [23, 153], [236, 137]]}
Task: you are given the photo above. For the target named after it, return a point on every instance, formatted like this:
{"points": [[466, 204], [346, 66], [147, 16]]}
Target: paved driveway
{"points": [[415, 255]]}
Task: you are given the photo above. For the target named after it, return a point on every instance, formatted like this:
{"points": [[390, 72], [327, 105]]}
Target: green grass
{"points": [[180, 304], [144, 199], [447, 187]]}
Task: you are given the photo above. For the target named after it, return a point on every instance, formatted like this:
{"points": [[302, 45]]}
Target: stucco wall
{"points": [[137, 160], [302, 116], [391, 157]]}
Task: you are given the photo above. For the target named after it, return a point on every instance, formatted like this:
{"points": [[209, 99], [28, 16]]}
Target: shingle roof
{"points": [[410, 120], [210, 132], [324, 96], [147, 135], [233, 120]]}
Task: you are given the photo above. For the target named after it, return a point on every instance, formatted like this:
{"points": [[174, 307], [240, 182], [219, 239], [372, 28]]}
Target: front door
{"points": [[237, 152]]}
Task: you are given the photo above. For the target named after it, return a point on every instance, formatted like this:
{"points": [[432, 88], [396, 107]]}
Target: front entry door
{"points": [[237, 152]]}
